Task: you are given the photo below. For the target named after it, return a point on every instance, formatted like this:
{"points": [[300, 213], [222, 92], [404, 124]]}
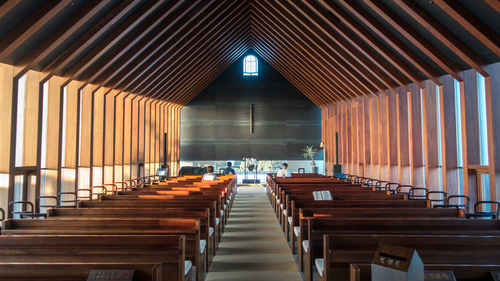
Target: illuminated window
{"points": [[483, 138], [458, 124], [483, 131], [439, 140], [250, 66], [21, 107]]}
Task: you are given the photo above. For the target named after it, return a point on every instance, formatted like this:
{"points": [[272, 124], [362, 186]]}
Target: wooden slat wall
{"points": [[390, 133], [100, 124]]}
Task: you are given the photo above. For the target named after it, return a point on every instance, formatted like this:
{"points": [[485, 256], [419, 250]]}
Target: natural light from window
{"points": [[250, 66]]}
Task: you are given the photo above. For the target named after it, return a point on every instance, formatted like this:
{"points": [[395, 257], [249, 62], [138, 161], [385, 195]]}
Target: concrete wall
{"points": [[216, 124]]}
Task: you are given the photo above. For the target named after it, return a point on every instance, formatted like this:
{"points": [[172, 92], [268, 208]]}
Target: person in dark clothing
{"points": [[228, 170]]}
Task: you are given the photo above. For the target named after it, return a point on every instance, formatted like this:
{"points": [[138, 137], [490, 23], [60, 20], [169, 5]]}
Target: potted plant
{"points": [[309, 153]]}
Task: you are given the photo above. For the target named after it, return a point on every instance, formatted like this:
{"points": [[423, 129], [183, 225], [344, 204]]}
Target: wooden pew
{"points": [[167, 251], [310, 213], [307, 193], [285, 208], [296, 205], [187, 204], [75, 271], [190, 228], [277, 193], [219, 201], [203, 215], [273, 192], [317, 228], [342, 250], [462, 272]]}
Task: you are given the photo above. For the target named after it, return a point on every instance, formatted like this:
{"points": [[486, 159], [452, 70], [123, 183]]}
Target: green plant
{"points": [[309, 153]]}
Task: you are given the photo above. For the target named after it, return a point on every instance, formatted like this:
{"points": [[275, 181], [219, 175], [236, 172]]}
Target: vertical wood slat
{"points": [[431, 136], [31, 118]]}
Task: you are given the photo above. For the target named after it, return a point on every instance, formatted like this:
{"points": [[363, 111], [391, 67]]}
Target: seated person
{"points": [[210, 175], [284, 172], [228, 170]]}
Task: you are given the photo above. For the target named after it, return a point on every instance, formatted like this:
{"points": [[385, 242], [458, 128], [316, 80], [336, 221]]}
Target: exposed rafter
{"points": [[171, 50]]}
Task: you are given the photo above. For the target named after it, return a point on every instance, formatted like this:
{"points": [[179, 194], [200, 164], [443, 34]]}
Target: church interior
{"points": [[294, 140]]}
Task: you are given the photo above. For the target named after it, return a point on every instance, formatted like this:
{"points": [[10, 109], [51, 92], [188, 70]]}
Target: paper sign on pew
{"points": [[109, 275], [439, 275], [322, 195]]}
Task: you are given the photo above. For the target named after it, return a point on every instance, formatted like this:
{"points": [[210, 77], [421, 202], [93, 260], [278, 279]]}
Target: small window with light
{"points": [[250, 66]]}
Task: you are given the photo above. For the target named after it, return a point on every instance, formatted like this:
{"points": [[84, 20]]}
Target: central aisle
{"points": [[253, 246]]}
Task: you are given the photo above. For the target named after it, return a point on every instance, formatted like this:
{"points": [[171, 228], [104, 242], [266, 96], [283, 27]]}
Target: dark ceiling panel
{"points": [[329, 50]]}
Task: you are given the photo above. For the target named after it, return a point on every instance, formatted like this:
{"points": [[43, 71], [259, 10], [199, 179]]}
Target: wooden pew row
{"points": [[281, 187], [312, 243], [385, 212], [280, 197], [190, 228], [341, 250], [203, 215], [187, 204], [179, 192], [219, 201], [161, 257], [273, 192], [285, 208], [345, 189], [64, 271], [462, 272], [226, 184], [296, 205]]}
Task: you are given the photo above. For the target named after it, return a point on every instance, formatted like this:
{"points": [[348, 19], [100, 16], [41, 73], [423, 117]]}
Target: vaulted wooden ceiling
{"points": [[330, 50]]}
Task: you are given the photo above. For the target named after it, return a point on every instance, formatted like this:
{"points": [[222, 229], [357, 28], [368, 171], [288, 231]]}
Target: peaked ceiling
{"points": [[330, 50]]}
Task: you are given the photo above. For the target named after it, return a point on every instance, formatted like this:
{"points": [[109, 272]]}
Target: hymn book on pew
{"points": [[322, 195]]}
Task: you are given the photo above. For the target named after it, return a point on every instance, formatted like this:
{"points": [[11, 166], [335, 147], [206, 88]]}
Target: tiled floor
{"points": [[253, 246]]}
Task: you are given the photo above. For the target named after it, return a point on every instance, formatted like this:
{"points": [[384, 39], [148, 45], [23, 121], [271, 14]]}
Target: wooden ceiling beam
{"points": [[195, 48], [8, 6], [300, 43], [495, 4], [91, 36], [323, 49], [289, 72], [303, 75], [196, 90], [279, 42], [471, 23], [191, 38], [163, 20], [207, 64], [318, 89], [358, 44], [286, 73], [168, 49], [444, 36], [138, 21], [367, 68], [195, 61], [413, 36], [153, 46], [211, 62], [373, 42], [63, 33], [386, 35], [30, 26]]}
